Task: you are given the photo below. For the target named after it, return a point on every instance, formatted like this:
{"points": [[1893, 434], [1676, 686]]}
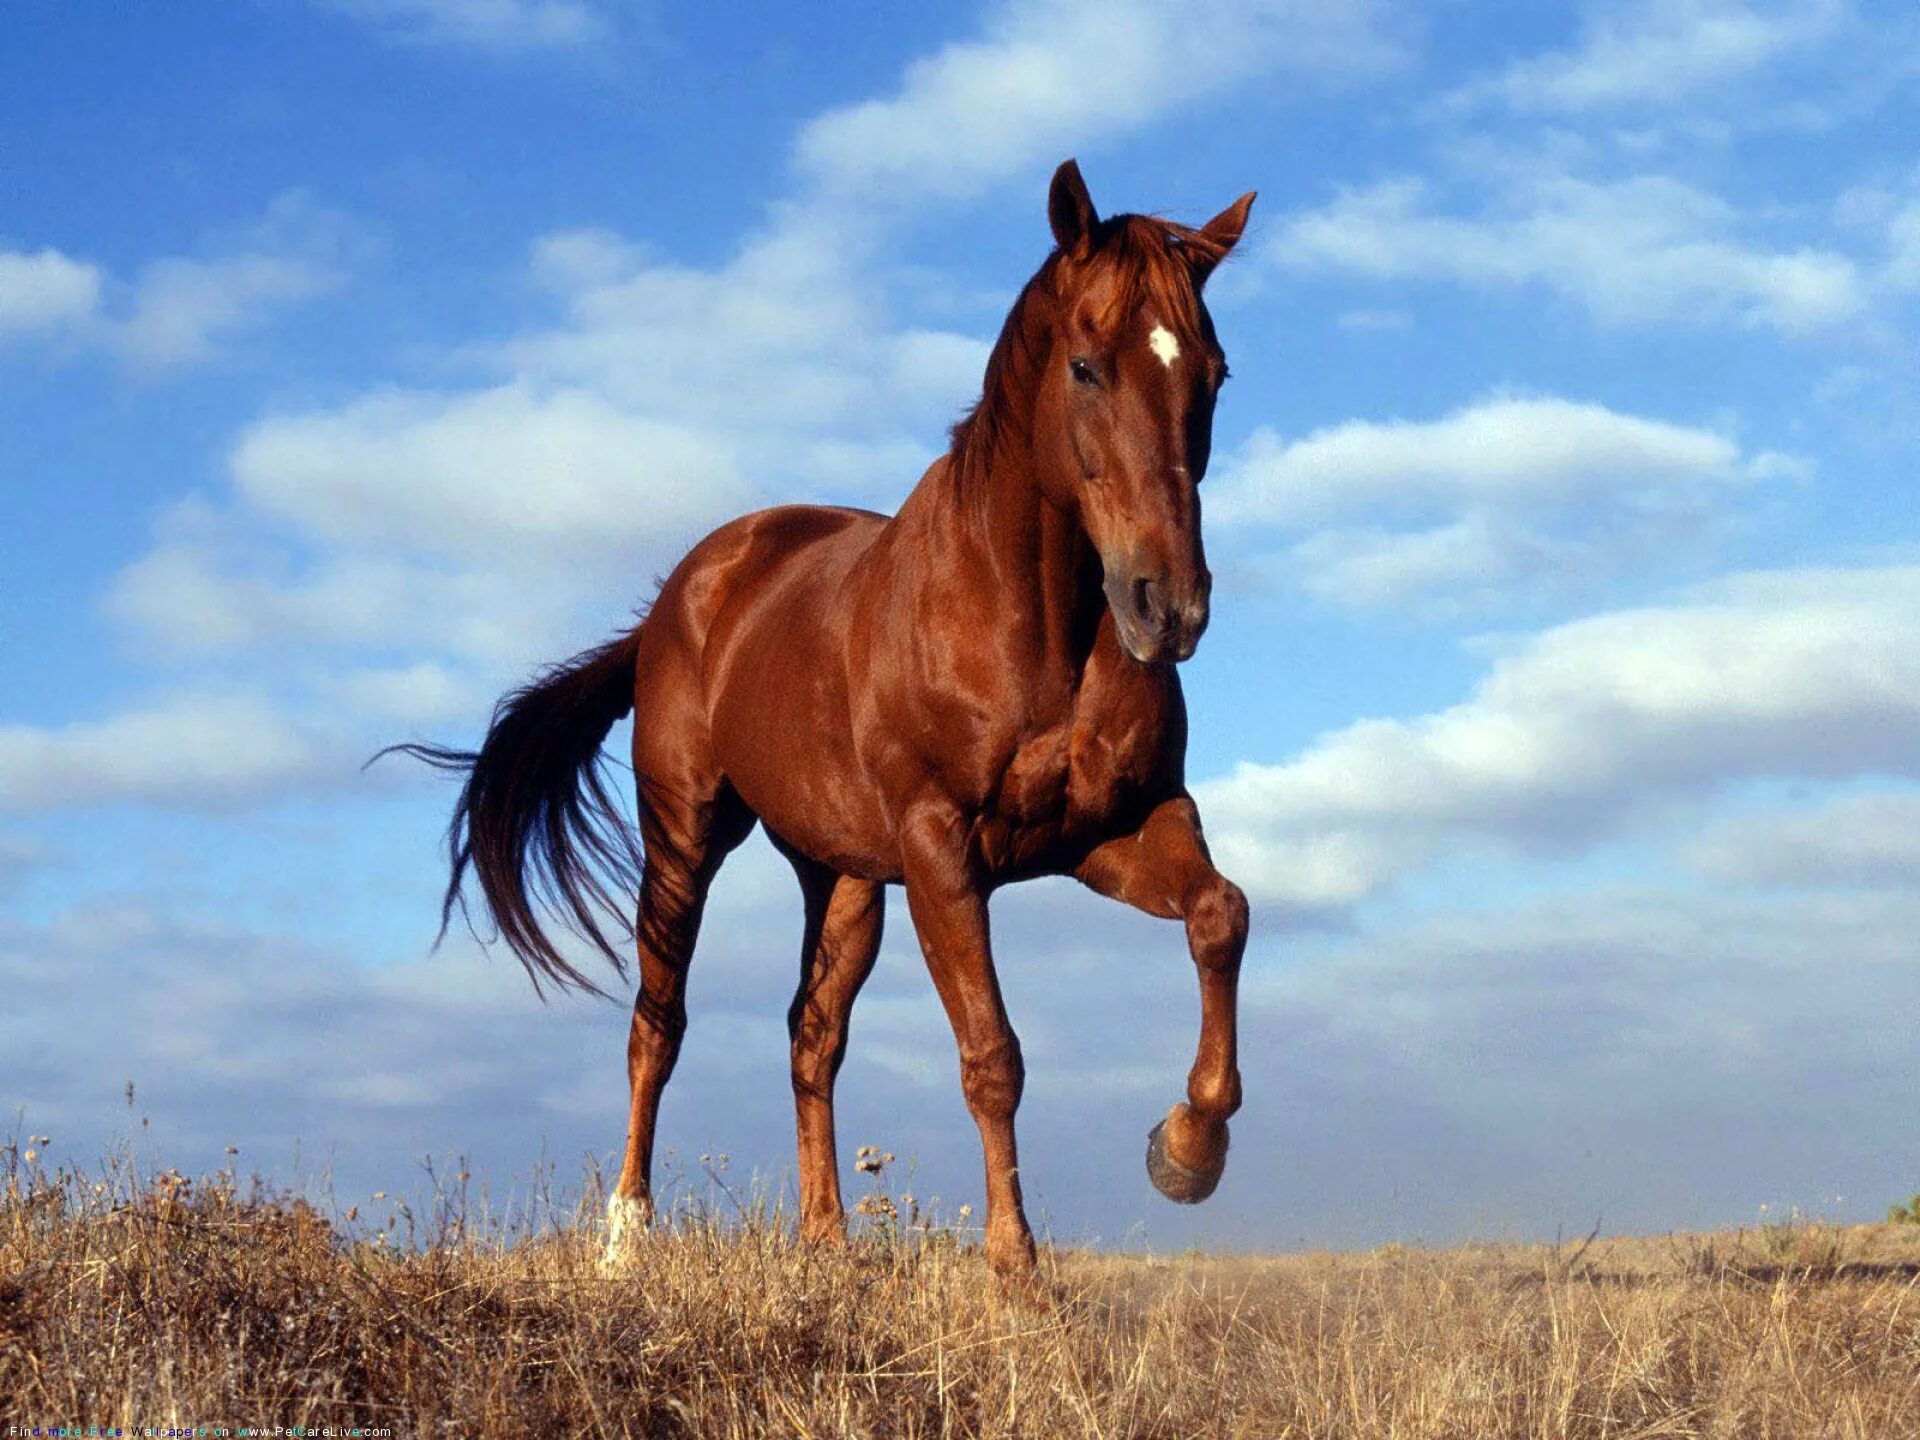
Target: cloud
{"points": [[484, 521], [1044, 79], [1374, 320], [1578, 732], [412, 694], [1606, 1057], [1527, 451], [1463, 567], [498, 25], [1464, 1074], [195, 751], [1871, 839], [183, 309], [199, 597], [284, 1046], [45, 291], [179, 310], [1504, 495], [788, 347], [1656, 53], [1648, 250], [469, 474], [1903, 249], [665, 396], [20, 857]]}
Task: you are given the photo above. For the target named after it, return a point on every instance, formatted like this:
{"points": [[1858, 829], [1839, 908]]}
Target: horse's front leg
{"points": [[1163, 868], [949, 908]]}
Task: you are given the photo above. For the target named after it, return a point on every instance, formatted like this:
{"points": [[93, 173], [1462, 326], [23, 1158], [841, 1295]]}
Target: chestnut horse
{"points": [[975, 691]]}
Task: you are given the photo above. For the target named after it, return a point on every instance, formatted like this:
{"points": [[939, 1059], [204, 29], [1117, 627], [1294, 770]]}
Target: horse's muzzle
{"points": [[1154, 622]]}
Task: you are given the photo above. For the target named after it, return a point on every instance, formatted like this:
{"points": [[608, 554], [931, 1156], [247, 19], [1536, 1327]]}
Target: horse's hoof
{"points": [[1174, 1180], [1012, 1257]]}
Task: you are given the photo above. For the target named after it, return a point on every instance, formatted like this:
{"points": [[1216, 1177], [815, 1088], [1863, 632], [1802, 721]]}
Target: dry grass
{"points": [[155, 1301]]}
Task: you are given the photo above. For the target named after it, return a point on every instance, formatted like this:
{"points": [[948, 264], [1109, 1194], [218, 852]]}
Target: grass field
{"points": [[130, 1300]]}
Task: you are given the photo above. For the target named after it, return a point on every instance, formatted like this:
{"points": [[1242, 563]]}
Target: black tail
{"points": [[535, 819]]}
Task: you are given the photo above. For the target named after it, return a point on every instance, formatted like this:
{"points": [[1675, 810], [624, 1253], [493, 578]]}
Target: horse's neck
{"points": [[1009, 562], [1024, 565]]}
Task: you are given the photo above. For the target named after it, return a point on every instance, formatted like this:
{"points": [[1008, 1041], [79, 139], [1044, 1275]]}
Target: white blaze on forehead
{"points": [[1164, 345]]}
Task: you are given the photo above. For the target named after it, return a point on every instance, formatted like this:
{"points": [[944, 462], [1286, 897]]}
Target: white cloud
{"points": [[1512, 451], [483, 521], [1903, 249], [412, 694], [486, 24], [787, 345], [472, 473], [668, 401], [20, 857], [1858, 839], [1601, 993], [178, 310], [1657, 51], [1467, 565], [1365, 320], [1585, 727], [1498, 1066], [46, 290], [193, 596], [182, 310], [1506, 495], [1601, 1057], [1046, 78], [194, 751], [669, 396], [1643, 251]]}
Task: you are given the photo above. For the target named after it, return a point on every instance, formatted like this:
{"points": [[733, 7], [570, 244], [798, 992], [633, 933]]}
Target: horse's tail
{"points": [[535, 819]]}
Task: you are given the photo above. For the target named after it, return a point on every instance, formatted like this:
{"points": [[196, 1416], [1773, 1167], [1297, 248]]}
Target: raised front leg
{"points": [[1163, 868], [842, 940], [949, 908]]}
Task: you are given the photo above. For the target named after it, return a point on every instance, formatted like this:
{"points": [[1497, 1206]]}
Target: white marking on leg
{"points": [[627, 1217], [1164, 345]]}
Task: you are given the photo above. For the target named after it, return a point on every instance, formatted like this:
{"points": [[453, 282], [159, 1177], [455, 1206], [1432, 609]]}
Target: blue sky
{"points": [[1560, 714]]}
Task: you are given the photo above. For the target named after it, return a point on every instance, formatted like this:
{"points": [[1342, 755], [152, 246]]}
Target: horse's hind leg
{"points": [[685, 837], [844, 918]]}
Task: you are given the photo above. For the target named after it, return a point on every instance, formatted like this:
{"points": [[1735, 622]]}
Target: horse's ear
{"points": [[1220, 235], [1070, 210]]}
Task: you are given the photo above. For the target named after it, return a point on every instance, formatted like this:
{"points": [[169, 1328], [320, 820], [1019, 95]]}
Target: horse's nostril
{"points": [[1146, 601]]}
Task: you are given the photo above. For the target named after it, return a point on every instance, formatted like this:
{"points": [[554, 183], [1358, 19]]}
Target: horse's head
{"points": [[1123, 417]]}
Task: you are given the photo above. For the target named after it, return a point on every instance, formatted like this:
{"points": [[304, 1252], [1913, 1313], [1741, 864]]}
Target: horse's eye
{"points": [[1082, 371]]}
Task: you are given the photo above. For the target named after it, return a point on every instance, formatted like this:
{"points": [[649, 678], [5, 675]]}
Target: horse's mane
{"points": [[1155, 260]]}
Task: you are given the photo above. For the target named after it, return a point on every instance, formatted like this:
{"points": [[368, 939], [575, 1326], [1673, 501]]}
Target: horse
{"points": [[977, 690]]}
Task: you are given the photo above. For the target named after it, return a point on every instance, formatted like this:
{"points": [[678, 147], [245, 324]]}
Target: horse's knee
{"points": [[1217, 925], [992, 1078]]}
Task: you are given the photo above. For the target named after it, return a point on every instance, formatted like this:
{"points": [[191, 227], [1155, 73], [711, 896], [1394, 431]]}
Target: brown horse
{"points": [[978, 690]]}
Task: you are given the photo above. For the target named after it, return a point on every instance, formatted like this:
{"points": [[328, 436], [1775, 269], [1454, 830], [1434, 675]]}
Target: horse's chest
{"points": [[1080, 779]]}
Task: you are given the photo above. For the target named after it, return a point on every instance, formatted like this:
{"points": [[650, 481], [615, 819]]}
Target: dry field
{"points": [[141, 1301]]}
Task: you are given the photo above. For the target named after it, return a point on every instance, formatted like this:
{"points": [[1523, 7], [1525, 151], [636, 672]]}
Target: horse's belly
{"points": [[776, 681], [784, 746]]}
